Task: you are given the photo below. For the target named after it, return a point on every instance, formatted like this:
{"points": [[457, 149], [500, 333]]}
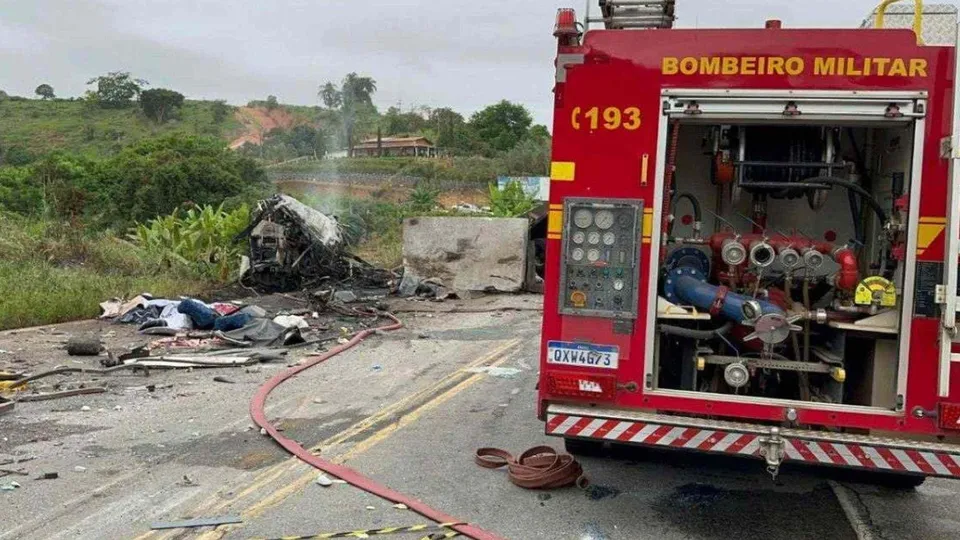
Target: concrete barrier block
{"points": [[468, 254]]}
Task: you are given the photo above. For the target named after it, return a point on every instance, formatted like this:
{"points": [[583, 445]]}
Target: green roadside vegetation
{"points": [[67, 236], [52, 272], [128, 190], [29, 129]]}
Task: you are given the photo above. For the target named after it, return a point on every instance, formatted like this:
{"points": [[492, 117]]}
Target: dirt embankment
{"points": [[259, 121]]}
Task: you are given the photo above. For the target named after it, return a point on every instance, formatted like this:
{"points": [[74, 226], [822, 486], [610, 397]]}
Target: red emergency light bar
{"points": [[566, 23]]}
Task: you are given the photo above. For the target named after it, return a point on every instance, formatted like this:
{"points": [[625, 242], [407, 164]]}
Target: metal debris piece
{"points": [[223, 380], [198, 522], [49, 476], [63, 394]]}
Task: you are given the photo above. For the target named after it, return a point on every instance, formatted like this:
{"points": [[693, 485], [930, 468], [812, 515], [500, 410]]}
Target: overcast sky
{"points": [[459, 53]]}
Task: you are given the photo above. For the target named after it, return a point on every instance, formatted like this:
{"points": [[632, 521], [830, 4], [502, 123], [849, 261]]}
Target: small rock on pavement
{"points": [[318, 401], [222, 379], [263, 431], [118, 408], [371, 508], [324, 480], [85, 408], [401, 506], [345, 296], [79, 468]]}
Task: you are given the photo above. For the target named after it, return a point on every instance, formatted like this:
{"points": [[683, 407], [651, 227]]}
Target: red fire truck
{"points": [[753, 239]]}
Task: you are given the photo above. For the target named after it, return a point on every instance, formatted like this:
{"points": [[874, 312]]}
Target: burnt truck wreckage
{"points": [[294, 247]]}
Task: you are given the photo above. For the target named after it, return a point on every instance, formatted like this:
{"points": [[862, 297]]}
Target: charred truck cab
{"points": [[753, 240]]}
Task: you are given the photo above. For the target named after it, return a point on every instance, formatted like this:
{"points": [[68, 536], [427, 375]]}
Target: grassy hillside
{"points": [[42, 126]]}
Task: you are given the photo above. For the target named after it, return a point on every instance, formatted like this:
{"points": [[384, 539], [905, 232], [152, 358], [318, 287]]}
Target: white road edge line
{"points": [[851, 508]]}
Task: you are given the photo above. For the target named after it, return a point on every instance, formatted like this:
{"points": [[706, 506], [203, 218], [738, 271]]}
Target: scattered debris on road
{"points": [[199, 522], [494, 371], [84, 346]]}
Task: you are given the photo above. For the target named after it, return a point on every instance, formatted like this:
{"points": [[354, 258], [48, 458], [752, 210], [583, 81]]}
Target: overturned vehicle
{"points": [[295, 247]]}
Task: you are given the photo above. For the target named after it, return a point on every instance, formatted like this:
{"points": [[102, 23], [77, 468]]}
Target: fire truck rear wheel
{"points": [[583, 447]]}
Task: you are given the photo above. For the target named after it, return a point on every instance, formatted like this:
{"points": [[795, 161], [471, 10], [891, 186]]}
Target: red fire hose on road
{"points": [[342, 472]]}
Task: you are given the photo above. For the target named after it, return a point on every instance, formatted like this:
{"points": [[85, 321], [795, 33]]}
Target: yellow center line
{"points": [[214, 504]]}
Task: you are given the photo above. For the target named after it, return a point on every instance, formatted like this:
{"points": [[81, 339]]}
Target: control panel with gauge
{"points": [[601, 256]]}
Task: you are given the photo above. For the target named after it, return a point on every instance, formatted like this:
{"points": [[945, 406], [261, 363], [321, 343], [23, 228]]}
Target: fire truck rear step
{"points": [[879, 454]]}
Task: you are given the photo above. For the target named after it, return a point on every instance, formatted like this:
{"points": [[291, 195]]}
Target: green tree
{"points": [[539, 131], [396, 122], [502, 125], [45, 91], [18, 192], [330, 96], [116, 89], [272, 102], [17, 156], [531, 156], [220, 111], [355, 100], [160, 103], [156, 176]]}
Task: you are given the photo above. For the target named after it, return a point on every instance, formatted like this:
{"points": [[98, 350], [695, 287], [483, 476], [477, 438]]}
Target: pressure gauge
{"points": [[583, 218], [579, 237], [605, 219], [609, 239], [618, 284], [593, 255], [594, 238], [577, 254]]}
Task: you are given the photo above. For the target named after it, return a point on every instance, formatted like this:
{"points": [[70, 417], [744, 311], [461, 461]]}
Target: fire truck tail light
{"points": [[949, 416], [566, 22], [583, 386]]}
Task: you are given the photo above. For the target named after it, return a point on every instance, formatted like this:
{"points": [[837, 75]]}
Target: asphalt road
{"points": [[407, 409]]}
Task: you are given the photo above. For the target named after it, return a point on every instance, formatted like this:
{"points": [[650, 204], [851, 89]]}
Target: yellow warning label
{"points": [[876, 289]]}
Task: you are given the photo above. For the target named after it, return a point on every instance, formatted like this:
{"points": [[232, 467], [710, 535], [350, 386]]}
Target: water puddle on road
{"points": [[706, 511]]}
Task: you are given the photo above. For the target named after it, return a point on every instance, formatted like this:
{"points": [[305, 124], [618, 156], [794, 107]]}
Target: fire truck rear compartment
{"points": [[783, 269]]}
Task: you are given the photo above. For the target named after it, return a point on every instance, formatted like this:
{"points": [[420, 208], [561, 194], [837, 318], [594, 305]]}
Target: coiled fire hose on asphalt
{"points": [[342, 472], [540, 467]]}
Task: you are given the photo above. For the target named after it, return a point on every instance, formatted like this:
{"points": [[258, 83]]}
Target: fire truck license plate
{"points": [[583, 354]]}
